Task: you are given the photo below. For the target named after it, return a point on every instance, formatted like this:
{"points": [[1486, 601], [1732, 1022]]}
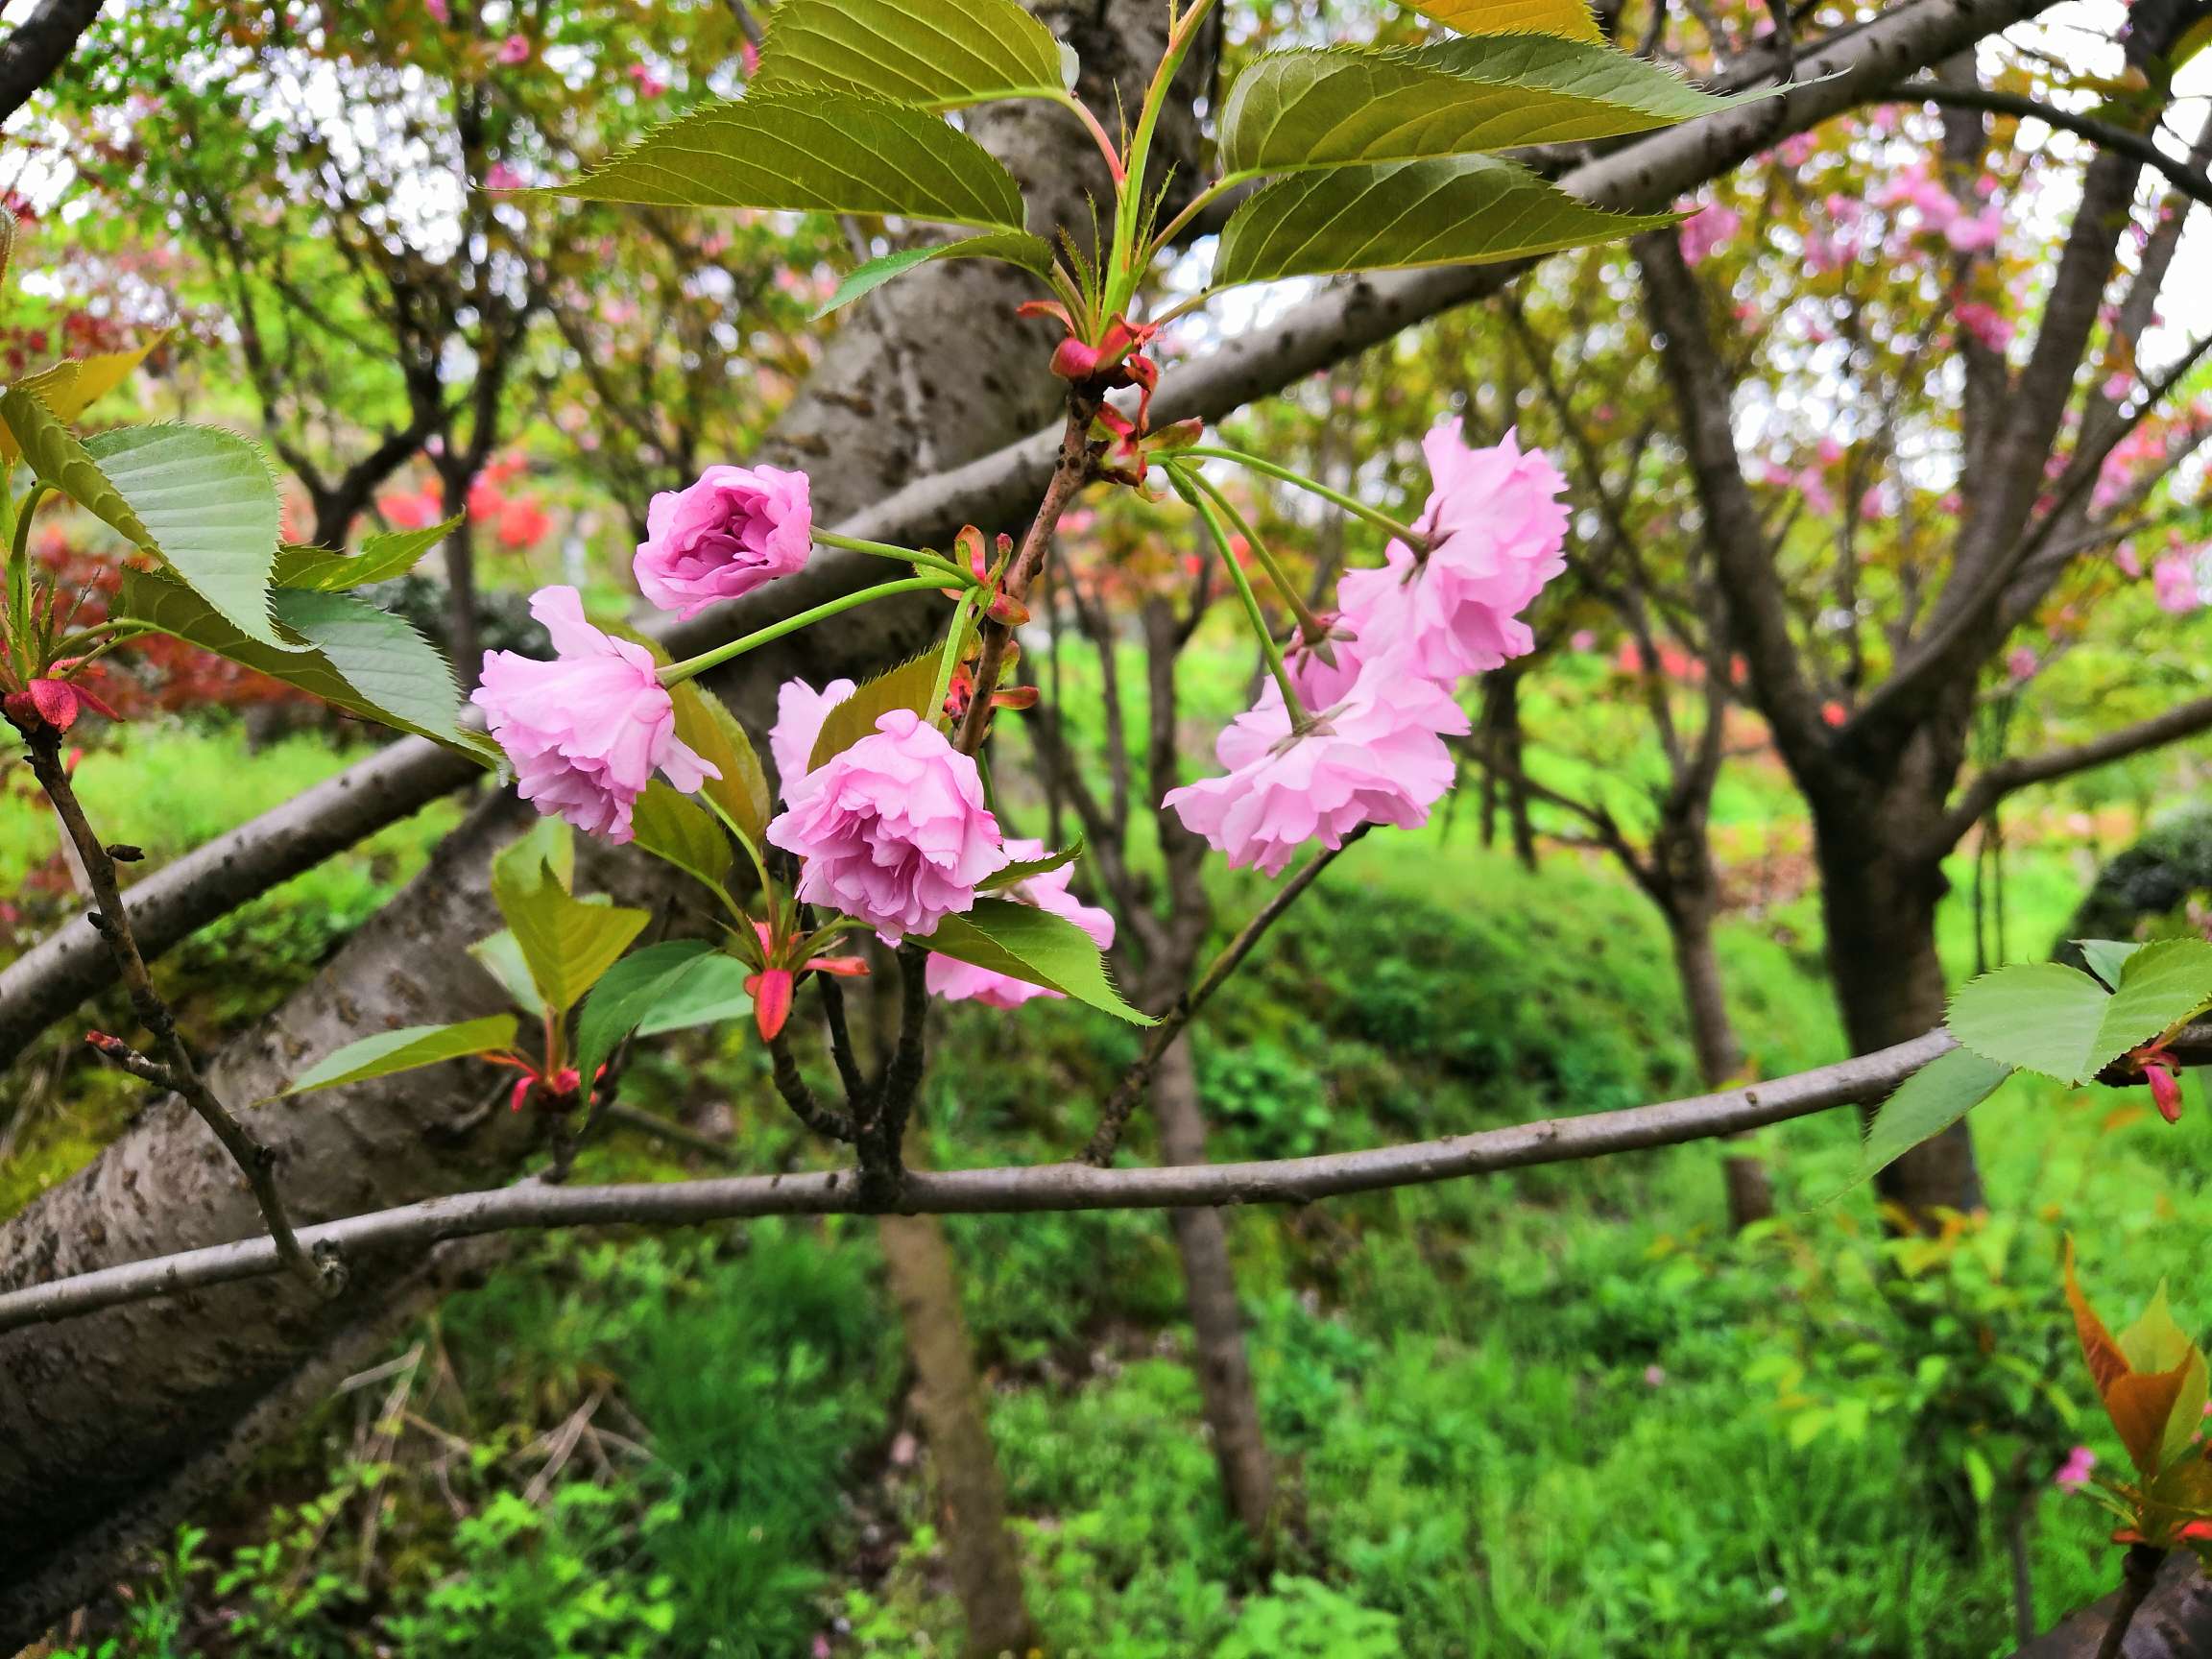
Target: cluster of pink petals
{"points": [[1708, 231], [964, 983], [735, 529], [1377, 757], [515, 49], [1985, 324], [2174, 583], [800, 710], [2074, 1474], [587, 732], [893, 831]]}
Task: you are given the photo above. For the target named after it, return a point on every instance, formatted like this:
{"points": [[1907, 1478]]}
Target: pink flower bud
{"points": [[771, 994]]}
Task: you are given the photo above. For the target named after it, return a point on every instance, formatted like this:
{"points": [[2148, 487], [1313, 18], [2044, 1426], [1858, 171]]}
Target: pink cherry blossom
{"points": [[1708, 231], [515, 49], [437, 11], [2074, 1474], [1990, 327], [963, 982], [1497, 535], [1978, 235], [1378, 756], [2020, 663], [800, 710], [584, 733], [734, 530], [894, 831], [2174, 582], [649, 85], [501, 177]]}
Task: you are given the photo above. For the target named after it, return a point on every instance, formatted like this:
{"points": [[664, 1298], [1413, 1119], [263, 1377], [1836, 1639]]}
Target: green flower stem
{"points": [[905, 555], [1123, 269], [948, 658], [1185, 488], [1405, 533], [693, 666], [1310, 626], [19, 582], [1196, 206]]}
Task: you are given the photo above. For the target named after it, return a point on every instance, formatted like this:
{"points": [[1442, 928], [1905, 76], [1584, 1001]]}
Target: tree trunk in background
{"points": [[461, 586], [949, 1399], [1224, 1368], [1504, 740], [123, 1419]]}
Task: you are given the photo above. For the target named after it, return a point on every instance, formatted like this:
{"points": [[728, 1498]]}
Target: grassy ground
{"points": [[1557, 1412]]}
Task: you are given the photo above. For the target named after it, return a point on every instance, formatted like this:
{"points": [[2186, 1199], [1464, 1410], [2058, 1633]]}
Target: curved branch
{"points": [[2104, 134], [36, 47], [1334, 326], [1050, 1187]]}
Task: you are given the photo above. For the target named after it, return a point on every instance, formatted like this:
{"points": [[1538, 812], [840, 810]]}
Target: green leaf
{"points": [[70, 387], [905, 686], [1341, 106], [1925, 1105], [828, 152], [351, 655], [566, 942], [1569, 19], [939, 56], [200, 499], [2040, 1015], [548, 841], [382, 557], [683, 833], [501, 957], [1015, 246], [2106, 958], [1468, 209], [1026, 943], [705, 723], [1023, 870], [409, 1048], [665, 987], [2156, 1345], [2162, 985]]}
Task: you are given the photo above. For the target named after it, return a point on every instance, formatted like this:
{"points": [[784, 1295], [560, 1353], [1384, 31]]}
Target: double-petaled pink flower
{"points": [[1378, 756], [736, 529], [800, 710], [964, 983], [587, 732], [893, 831]]}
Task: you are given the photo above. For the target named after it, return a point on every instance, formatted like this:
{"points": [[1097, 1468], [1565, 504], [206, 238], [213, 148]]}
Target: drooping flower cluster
{"points": [[587, 732], [893, 831], [1382, 692]]}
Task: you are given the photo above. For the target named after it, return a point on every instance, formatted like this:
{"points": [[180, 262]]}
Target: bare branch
{"points": [[36, 47], [2191, 181]]}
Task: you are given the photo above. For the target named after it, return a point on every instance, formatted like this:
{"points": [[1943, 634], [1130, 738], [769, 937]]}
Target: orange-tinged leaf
{"points": [[2107, 1363], [70, 387], [1569, 19], [2144, 1406]]}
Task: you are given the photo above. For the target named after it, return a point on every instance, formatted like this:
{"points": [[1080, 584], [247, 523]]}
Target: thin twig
{"points": [[1114, 1116], [175, 1070]]}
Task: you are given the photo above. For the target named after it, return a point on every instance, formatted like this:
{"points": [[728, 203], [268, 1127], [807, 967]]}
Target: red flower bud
{"points": [[2165, 1089], [771, 994]]}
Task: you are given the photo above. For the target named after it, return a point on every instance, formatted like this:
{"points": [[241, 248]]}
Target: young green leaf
{"points": [[548, 841], [680, 833], [2161, 985], [1026, 943], [943, 56], [905, 686], [1015, 246], [2106, 958], [406, 1049], [1022, 871], [705, 723], [382, 557], [351, 655], [501, 956], [811, 149], [665, 987], [568, 942], [1343, 106], [1466, 209], [70, 387], [1571, 19], [1925, 1105], [2038, 1016]]}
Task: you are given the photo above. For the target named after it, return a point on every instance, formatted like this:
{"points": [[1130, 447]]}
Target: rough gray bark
{"points": [[116, 1409], [2174, 1623], [36, 47]]}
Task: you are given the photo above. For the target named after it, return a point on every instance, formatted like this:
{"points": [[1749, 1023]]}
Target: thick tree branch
{"points": [[2189, 180], [1053, 1186], [34, 48], [2183, 720]]}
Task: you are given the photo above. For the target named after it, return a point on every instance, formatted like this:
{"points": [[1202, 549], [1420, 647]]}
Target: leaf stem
{"points": [[1382, 522], [1093, 126], [948, 658], [1187, 488], [693, 666], [1310, 626]]}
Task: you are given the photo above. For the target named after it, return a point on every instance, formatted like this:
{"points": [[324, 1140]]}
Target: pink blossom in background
{"points": [[894, 831], [800, 710], [2174, 582], [2020, 663], [2074, 1474], [1712, 227], [2129, 561], [1376, 757], [748, 55], [501, 177], [1978, 235], [1987, 324], [739, 528], [1582, 640], [515, 49], [437, 11], [964, 983], [649, 85], [584, 733], [2116, 386]]}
